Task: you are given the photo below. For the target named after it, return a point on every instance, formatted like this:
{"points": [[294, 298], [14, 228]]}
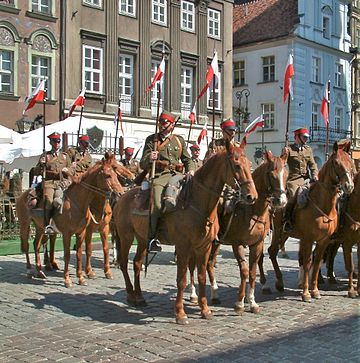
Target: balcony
{"points": [[318, 134]]}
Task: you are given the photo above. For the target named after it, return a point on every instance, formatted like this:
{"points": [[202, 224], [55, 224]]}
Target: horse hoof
{"points": [[207, 315], [353, 294], [82, 281], [140, 303], [215, 301], [194, 300], [30, 273], [306, 298], [109, 275], [68, 284], [182, 321], [316, 295], [91, 275], [266, 291], [279, 286], [48, 268], [131, 301], [255, 309], [239, 309], [55, 266], [41, 275]]}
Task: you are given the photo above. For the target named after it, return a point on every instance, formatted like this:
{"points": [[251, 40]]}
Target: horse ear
{"points": [[285, 154], [347, 146], [335, 147], [269, 155], [243, 142]]}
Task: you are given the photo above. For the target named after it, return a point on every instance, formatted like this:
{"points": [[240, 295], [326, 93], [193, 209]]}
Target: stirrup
{"points": [[154, 245], [49, 230]]}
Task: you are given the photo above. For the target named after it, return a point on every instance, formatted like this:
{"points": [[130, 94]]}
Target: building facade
{"points": [[29, 52], [316, 33]]}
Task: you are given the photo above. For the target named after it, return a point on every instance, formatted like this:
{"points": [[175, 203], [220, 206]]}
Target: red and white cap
{"points": [[228, 124], [195, 147], [302, 131], [167, 117], [54, 135], [84, 138]]}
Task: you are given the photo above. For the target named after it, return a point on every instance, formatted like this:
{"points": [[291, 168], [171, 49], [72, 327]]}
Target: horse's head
{"points": [[339, 169], [125, 176], [241, 172], [275, 178]]}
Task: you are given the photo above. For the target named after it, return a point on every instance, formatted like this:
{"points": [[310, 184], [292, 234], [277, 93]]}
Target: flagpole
{"points": [[117, 126], [213, 110], [287, 122], [262, 139], [327, 125], [44, 166], [78, 133]]}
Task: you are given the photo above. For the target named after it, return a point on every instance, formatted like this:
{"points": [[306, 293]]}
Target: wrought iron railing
{"points": [[318, 134]]}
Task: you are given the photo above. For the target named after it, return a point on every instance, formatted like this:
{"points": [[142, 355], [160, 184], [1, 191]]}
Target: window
{"points": [[127, 7], [357, 40], [187, 75], [159, 11], [338, 118], [239, 73], [6, 71], [315, 114], [339, 74], [96, 3], [268, 68], [316, 69], [187, 16], [326, 27], [269, 115], [126, 82], [41, 69], [217, 94], [358, 124], [154, 94], [93, 69], [214, 23], [41, 6], [7, 2]]}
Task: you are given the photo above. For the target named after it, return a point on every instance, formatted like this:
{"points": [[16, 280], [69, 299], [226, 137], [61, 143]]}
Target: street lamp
{"points": [[24, 124], [244, 114]]}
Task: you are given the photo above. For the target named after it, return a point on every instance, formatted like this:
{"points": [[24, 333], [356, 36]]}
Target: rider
{"points": [[195, 153], [170, 158], [80, 156], [130, 163], [301, 165], [58, 167]]}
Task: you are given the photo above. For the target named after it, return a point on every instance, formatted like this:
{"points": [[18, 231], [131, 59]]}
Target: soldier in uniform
{"points": [[130, 163], [228, 129], [302, 166], [80, 156], [195, 153], [170, 158], [58, 167]]}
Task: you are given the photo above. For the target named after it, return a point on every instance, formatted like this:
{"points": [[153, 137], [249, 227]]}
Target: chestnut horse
{"points": [[317, 221], [100, 179], [349, 235], [248, 226], [191, 227]]}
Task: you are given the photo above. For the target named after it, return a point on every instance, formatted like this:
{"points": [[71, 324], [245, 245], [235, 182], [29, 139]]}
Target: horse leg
{"points": [[137, 265], [358, 272], [239, 253], [37, 245], [44, 242], [330, 258], [88, 247], [193, 295], [24, 238], [53, 262], [254, 255], [319, 251], [66, 243], [104, 234], [215, 249], [305, 262], [79, 243], [265, 288], [349, 265], [182, 265]]}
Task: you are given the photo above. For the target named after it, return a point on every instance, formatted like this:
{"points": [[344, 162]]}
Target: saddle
{"points": [[302, 196]]}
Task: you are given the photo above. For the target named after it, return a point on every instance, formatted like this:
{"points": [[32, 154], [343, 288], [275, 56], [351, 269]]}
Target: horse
{"points": [[319, 217], [191, 227], [348, 235], [99, 179], [248, 226]]}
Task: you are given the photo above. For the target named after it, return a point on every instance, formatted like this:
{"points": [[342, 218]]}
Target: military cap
{"points": [[302, 131], [167, 117], [195, 147], [54, 135], [129, 150], [84, 138], [228, 124]]}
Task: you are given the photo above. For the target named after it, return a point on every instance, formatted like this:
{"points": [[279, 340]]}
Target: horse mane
{"points": [[209, 164]]}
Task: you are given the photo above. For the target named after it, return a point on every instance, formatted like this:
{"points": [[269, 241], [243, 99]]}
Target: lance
{"points": [[78, 133], [213, 109], [327, 124], [287, 122], [117, 127], [44, 166]]}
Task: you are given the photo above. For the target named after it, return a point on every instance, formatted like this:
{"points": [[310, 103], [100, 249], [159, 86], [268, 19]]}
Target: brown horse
{"points": [[249, 225], [98, 180], [191, 227], [349, 235], [317, 221]]}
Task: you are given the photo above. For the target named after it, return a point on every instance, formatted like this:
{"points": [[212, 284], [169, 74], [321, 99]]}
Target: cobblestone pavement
{"points": [[44, 321]]}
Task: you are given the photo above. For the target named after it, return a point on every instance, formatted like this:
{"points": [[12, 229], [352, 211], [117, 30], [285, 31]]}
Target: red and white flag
{"points": [[37, 95], [118, 120], [80, 101], [203, 134], [258, 122], [325, 105], [192, 115], [289, 73], [213, 71], [158, 75]]}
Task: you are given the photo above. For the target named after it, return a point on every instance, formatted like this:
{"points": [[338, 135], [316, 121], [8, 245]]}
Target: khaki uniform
{"points": [[173, 159], [132, 165], [216, 146], [197, 162], [300, 162], [82, 159]]}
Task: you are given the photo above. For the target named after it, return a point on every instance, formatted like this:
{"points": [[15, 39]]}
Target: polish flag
{"points": [[80, 101], [192, 115], [325, 105], [258, 122], [213, 71], [37, 95], [158, 75], [289, 73], [203, 134], [118, 119]]}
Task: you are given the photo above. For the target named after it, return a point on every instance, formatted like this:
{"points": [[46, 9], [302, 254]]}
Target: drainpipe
{"points": [[62, 69]]}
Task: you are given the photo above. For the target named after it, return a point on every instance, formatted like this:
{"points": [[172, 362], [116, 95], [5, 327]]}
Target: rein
{"points": [[320, 210], [352, 220]]}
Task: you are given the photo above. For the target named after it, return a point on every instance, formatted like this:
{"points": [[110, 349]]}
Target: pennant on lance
{"points": [[80, 101], [325, 105], [202, 134], [289, 73], [37, 95], [258, 122], [158, 75], [213, 71]]}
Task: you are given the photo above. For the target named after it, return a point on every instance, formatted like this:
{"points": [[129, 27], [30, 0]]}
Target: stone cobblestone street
{"points": [[41, 320]]}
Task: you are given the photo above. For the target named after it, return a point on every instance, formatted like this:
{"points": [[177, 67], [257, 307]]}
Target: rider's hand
{"points": [[42, 160], [154, 155], [315, 178], [190, 172]]}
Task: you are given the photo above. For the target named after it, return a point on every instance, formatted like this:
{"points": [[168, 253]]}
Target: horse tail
{"points": [[24, 219]]}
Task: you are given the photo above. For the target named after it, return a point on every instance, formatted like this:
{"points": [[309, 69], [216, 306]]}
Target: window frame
{"points": [[185, 14], [209, 94], [186, 86], [271, 115], [315, 115], [39, 6], [239, 70], [90, 69], [316, 69], [155, 63], [36, 78], [338, 118], [339, 75], [212, 30], [127, 12], [159, 5], [10, 72], [91, 3], [270, 67], [126, 106]]}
